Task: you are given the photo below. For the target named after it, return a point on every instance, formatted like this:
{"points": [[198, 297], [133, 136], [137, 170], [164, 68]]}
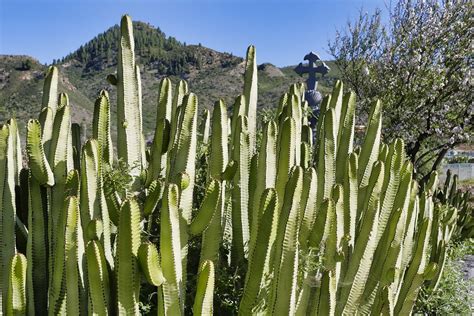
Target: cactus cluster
{"points": [[320, 226], [452, 199]]}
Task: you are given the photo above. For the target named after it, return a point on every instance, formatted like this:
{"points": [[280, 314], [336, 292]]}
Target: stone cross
{"points": [[311, 95], [311, 69]]}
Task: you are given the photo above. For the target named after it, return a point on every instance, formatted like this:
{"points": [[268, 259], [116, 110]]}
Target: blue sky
{"points": [[282, 30]]}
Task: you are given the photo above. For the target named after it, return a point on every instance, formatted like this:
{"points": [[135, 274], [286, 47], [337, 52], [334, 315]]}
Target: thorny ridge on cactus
{"points": [[308, 225]]}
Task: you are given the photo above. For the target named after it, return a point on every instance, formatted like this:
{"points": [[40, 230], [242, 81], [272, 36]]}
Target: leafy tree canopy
{"points": [[420, 64]]}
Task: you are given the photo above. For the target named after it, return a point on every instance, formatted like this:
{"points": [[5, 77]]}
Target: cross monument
{"points": [[312, 95]]}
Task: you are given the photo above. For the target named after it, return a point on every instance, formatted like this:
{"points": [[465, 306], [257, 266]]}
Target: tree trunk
{"points": [[435, 165]]}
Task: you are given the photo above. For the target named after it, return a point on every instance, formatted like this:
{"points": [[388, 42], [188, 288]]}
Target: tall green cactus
{"points": [[180, 91], [370, 150], [40, 167], [74, 252], [16, 146], [250, 93], [99, 284], [170, 247], [418, 264], [101, 127], [8, 169], [50, 89], [283, 292], [128, 243], [203, 304], [49, 106], [261, 252], [265, 178], [286, 154], [218, 160], [158, 164], [129, 129], [16, 304], [182, 167], [60, 165], [37, 276], [240, 192]]}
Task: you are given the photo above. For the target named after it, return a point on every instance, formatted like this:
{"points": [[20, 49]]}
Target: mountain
{"points": [[210, 74], [21, 85]]}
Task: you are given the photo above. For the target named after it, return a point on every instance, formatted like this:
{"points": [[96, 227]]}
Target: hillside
{"points": [[21, 84], [210, 74]]}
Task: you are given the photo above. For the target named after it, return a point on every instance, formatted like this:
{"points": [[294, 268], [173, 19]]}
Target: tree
{"points": [[26, 64], [420, 65]]}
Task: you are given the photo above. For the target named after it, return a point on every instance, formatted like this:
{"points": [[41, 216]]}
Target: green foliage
{"points": [[117, 178], [165, 53], [26, 65], [415, 63], [452, 296], [460, 159]]}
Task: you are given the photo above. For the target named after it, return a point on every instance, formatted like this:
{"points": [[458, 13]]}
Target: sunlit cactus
{"points": [[309, 224]]}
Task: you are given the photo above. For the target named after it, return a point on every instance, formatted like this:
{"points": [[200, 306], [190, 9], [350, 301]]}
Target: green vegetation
{"points": [[460, 159], [452, 296], [449, 292], [165, 54], [418, 63], [469, 182], [236, 218]]}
